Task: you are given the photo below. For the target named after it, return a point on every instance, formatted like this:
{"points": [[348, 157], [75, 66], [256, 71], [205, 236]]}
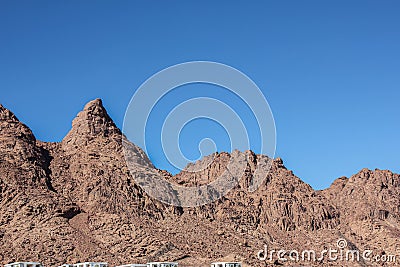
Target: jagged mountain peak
{"points": [[23, 159], [7, 115], [93, 103], [92, 122], [12, 129], [377, 177]]}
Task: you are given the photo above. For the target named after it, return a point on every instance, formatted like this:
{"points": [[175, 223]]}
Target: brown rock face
{"points": [[369, 205], [32, 213], [77, 201], [91, 123], [25, 162]]}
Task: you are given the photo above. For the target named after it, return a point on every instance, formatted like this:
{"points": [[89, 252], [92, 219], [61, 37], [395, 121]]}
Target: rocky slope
{"points": [[76, 201]]}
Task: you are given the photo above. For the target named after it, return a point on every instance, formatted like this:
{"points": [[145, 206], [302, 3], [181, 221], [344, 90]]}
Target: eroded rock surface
{"points": [[77, 201]]}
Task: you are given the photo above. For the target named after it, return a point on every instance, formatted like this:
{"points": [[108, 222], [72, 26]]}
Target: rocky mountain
{"points": [[77, 201]]}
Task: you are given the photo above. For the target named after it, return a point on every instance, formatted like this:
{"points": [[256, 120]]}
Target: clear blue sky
{"points": [[329, 69]]}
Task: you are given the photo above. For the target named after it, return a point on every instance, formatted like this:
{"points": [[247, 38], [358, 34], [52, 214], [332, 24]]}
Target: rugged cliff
{"points": [[77, 201]]}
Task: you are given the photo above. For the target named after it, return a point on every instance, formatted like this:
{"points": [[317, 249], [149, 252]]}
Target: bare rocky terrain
{"points": [[76, 201]]}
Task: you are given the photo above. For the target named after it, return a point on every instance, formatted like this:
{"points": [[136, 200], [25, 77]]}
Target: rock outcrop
{"points": [[77, 201]]}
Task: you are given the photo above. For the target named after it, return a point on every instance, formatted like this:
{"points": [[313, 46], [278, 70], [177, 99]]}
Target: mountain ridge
{"points": [[76, 200]]}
